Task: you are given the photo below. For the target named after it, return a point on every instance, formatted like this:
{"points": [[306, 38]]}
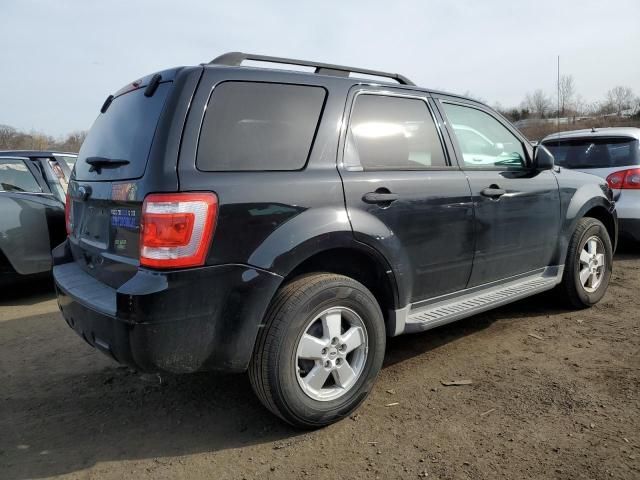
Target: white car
{"points": [[611, 153]]}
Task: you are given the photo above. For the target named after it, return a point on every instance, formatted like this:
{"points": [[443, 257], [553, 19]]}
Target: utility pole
{"points": [[558, 112]]}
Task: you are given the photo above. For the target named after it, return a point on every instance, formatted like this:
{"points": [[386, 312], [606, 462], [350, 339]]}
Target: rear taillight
{"points": [[176, 229], [68, 215], [625, 179]]}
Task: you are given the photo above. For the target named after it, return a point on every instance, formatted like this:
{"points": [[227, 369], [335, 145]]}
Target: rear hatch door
{"points": [[109, 182]]}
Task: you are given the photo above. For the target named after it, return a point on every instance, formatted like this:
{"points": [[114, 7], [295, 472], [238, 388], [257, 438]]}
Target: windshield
{"points": [[595, 152], [16, 177], [124, 132]]}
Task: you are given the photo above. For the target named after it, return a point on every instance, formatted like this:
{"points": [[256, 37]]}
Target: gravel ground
{"points": [[554, 394]]}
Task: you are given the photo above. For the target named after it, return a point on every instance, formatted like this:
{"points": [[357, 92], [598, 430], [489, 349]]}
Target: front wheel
{"points": [[589, 264], [320, 350]]}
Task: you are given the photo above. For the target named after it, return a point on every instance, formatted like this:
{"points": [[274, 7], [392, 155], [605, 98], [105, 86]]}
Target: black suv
{"points": [[237, 218]]}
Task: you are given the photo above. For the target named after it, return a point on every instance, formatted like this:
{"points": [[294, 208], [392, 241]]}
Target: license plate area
{"points": [[95, 226], [125, 230]]}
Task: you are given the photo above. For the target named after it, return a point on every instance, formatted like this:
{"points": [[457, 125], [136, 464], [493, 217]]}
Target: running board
{"points": [[450, 308]]}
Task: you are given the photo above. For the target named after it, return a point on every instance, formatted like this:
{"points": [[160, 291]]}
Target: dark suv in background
{"points": [[234, 218], [33, 185]]}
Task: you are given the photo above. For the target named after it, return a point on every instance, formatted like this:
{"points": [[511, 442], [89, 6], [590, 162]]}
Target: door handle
{"points": [[380, 197], [493, 191]]}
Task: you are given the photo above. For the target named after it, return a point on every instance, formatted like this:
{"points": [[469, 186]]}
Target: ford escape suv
{"points": [[225, 217]]}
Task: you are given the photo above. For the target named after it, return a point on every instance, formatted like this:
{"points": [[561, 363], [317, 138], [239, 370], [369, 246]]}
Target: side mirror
{"points": [[542, 158]]}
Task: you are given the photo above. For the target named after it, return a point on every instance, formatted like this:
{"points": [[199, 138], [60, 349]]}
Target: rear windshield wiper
{"points": [[103, 162]]}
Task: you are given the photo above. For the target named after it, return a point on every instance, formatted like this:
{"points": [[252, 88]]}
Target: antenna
{"points": [[558, 111]]}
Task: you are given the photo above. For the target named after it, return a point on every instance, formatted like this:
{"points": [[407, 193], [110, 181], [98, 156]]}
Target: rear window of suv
{"points": [[259, 126], [595, 152], [124, 132]]}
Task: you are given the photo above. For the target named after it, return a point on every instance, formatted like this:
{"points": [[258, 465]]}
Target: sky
{"points": [[61, 58]]}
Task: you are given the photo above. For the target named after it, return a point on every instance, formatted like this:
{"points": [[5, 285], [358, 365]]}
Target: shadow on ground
{"points": [[87, 410], [29, 290], [66, 407], [627, 250]]}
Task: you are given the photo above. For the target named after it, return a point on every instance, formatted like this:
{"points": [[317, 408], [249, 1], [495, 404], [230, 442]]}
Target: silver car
{"points": [[611, 153]]}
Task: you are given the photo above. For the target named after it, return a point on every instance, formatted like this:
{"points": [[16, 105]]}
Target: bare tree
{"points": [[538, 103], [73, 141], [620, 98], [636, 106], [7, 136], [40, 141], [567, 92], [580, 105]]}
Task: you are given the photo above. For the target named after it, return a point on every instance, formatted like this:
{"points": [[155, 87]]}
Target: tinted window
{"points": [[124, 132], [259, 126], [392, 133], [595, 152], [16, 177], [484, 141]]}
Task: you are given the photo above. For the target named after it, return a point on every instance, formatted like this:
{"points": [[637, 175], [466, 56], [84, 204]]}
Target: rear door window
{"points": [[392, 133], [124, 132], [595, 152], [259, 126], [16, 177]]}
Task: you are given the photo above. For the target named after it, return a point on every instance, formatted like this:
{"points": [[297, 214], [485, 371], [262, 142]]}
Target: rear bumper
{"points": [[628, 207], [180, 321], [627, 203], [630, 228]]}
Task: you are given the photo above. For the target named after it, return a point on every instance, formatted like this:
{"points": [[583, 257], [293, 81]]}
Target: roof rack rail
{"points": [[236, 58]]}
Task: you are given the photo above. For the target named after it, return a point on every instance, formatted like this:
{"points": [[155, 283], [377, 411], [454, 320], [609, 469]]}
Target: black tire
{"points": [[571, 287], [273, 370]]}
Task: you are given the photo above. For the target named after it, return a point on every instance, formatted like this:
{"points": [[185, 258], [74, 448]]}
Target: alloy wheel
{"points": [[592, 264], [331, 354]]}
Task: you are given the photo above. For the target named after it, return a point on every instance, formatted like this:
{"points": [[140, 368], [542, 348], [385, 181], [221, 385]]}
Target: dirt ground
{"points": [[555, 394]]}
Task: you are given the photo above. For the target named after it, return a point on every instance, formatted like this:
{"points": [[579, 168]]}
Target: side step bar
{"points": [[466, 303]]}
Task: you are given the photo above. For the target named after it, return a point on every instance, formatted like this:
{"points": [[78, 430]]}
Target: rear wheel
{"points": [[320, 351], [589, 264]]}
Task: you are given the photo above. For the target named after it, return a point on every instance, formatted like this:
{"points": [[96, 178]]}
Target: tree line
{"points": [[567, 102], [14, 139]]}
